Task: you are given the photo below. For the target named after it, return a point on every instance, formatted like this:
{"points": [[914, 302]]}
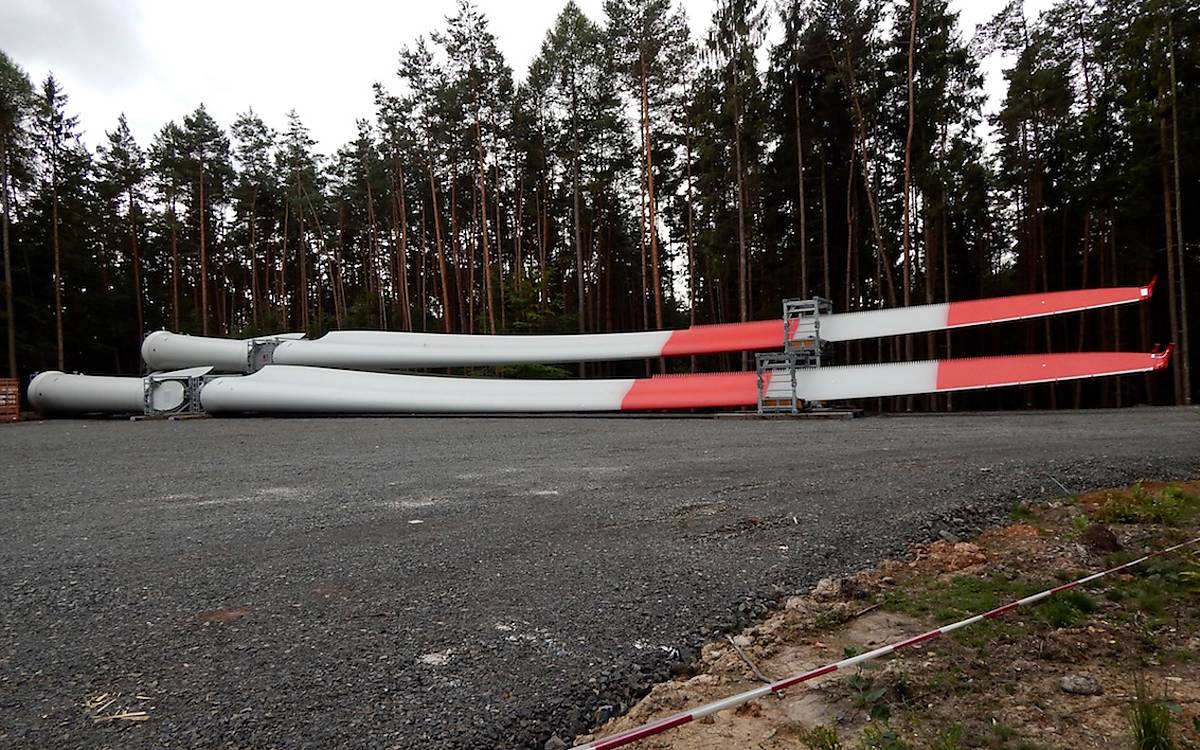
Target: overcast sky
{"points": [[155, 60]]}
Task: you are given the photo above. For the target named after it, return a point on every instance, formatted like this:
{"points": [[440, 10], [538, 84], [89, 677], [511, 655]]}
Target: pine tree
{"points": [[65, 165], [121, 174], [651, 46], [207, 151], [256, 201], [16, 105]]}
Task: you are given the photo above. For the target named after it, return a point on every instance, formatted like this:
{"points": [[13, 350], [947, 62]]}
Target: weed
{"points": [[1078, 524], [869, 697], [1067, 609], [1170, 506], [1150, 720], [949, 739], [946, 681], [821, 738], [877, 737], [1021, 513]]}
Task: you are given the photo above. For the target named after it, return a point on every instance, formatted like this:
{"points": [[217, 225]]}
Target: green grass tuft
{"points": [[1066, 610], [1150, 721], [821, 738], [1170, 506], [881, 737]]}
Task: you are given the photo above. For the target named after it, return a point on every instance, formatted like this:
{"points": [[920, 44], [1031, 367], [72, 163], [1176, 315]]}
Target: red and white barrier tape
{"points": [[662, 725]]}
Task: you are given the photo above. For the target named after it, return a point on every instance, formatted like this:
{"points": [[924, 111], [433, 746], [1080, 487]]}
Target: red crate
{"points": [[10, 399]]}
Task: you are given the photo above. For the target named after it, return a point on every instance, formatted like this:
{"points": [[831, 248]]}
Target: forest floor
{"points": [[1063, 673]]}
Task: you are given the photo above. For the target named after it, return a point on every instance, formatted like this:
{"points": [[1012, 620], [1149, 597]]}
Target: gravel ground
{"points": [[471, 582]]}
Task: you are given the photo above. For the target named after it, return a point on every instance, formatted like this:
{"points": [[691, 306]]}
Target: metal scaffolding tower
{"points": [[803, 348]]}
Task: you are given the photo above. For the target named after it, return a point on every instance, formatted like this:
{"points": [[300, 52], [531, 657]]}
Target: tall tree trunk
{"points": [[519, 229], [58, 321], [642, 247], [9, 291], [499, 259], [137, 267], [804, 291], [743, 250], [578, 210], [372, 248], [405, 298], [255, 290], [1184, 344], [203, 261], [1083, 275], [437, 229], [908, 139], [907, 228], [339, 249], [825, 236], [285, 308], [174, 267], [946, 274], [655, 265], [691, 239], [302, 250], [872, 205], [483, 218], [1172, 265]]}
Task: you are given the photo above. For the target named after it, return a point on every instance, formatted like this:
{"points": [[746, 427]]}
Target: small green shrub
{"points": [[949, 739], [821, 738], [881, 737], [1170, 506], [1067, 609], [1021, 512]]}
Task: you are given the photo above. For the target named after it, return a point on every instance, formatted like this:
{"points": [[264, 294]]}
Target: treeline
{"points": [[636, 179]]}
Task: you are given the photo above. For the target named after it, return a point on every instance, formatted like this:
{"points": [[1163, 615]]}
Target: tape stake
{"points": [[658, 726]]}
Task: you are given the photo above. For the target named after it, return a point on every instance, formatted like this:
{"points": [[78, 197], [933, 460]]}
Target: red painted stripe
{"points": [[1000, 610], [633, 735], [917, 639], [1030, 305], [725, 337], [693, 391], [814, 674], [981, 372]]}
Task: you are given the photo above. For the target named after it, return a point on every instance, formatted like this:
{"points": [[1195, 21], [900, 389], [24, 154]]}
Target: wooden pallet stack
{"points": [[10, 399]]}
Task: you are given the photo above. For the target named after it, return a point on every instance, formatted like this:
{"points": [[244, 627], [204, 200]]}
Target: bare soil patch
{"points": [[1059, 674]]}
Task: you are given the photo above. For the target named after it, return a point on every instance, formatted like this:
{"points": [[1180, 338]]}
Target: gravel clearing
{"points": [[466, 582]]}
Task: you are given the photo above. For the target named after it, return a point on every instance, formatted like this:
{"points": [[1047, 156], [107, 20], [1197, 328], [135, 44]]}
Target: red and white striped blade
{"points": [[925, 318], [892, 379], [401, 350], [767, 335]]}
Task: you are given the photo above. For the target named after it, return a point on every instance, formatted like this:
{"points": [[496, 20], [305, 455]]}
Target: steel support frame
{"points": [[803, 348]]}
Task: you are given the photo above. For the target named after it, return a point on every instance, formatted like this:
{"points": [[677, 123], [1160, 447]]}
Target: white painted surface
{"points": [[895, 321], [163, 350], [287, 388], [394, 350], [166, 395], [56, 392], [857, 381]]}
